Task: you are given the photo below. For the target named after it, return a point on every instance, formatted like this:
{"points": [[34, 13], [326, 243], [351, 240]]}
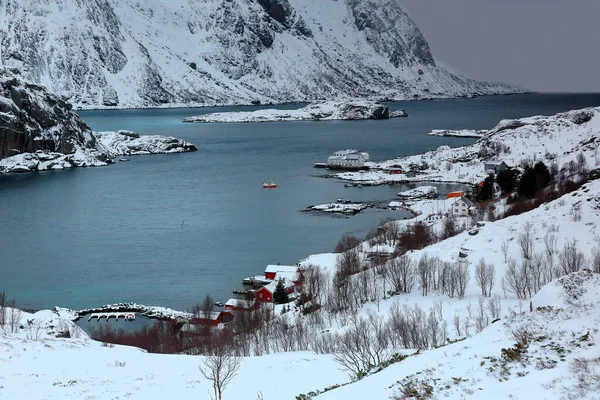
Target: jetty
{"points": [[128, 316]]}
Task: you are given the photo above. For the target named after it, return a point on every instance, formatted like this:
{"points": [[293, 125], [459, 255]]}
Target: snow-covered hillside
{"points": [[555, 139], [127, 53]]}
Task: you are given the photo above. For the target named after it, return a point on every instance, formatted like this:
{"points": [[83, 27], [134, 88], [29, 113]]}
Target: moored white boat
{"points": [[269, 185]]}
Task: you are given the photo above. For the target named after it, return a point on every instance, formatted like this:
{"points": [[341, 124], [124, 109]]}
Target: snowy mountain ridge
{"points": [[205, 52]]}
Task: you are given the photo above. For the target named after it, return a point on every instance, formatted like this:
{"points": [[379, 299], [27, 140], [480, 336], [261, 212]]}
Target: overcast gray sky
{"points": [[542, 45]]}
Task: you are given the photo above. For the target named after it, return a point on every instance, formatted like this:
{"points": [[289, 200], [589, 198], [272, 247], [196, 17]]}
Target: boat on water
{"points": [[219, 304], [269, 185], [124, 159]]}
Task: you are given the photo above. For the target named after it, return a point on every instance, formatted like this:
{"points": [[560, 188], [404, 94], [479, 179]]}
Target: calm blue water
{"points": [[167, 229]]}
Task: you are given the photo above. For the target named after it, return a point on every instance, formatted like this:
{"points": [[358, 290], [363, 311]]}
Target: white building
{"points": [[462, 207], [347, 159], [494, 167]]}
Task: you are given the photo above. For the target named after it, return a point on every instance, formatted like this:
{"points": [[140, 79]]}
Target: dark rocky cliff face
{"points": [[33, 119]]}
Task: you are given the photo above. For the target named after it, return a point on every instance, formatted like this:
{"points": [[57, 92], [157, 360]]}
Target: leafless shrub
{"points": [[485, 277], [402, 274], [426, 273], [494, 307], [570, 259], [363, 345], [515, 280], [595, 259], [575, 212], [504, 248], [14, 317], [457, 325], [462, 278], [481, 319]]}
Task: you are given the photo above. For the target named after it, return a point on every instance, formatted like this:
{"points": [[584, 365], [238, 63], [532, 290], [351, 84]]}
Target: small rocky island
{"points": [[341, 206], [39, 131], [317, 111], [420, 192]]}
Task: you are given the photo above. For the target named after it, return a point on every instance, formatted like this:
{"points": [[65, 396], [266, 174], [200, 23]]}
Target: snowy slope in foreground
{"points": [[560, 358], [317, 111], [36, 365], [558, 138], [129, 53]]}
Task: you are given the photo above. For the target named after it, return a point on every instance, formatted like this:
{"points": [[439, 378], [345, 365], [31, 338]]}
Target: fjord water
{"points": [[167, 229]]}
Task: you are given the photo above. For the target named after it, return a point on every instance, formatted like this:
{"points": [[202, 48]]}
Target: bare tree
{"points": [[346, 243], [485, 277], [481, 277], [595, 259], [550, 251], [2, 309], [526, 242], [425, 269], [315, 283], [348, 263], [402, 274], [494, 307], [207, 306], [514, 281], [219, 367], [570, 259], [504, 248], [462, 278], [14, 317]]}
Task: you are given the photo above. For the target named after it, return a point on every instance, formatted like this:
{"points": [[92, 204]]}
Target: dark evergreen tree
{"points": [[527, 184], [542, 175], [486, 191], [279, 295], [507, 180]]}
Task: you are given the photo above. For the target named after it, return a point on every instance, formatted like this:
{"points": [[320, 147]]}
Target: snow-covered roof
{"points": [[281, 268], [271, 286], [468, 202], [494, 162], [240, 303], [292, 276]]}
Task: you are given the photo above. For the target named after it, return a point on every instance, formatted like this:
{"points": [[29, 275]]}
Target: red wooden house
{"points": [[265, 293], [241, 305], [213, 319], [458, 194], [272, 270]]}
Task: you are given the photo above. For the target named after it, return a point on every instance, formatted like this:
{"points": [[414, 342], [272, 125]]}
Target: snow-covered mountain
{"points": [[127, 53]]}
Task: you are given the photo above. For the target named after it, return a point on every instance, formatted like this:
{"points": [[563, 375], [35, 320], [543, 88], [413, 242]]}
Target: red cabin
{"points": [[241, 305], [265, 293], [213, 319], [272, 270], [395, 171]]}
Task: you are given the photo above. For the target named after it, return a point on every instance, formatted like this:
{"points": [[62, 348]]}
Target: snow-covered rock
{"points": [[339, 208], [317, 111], [421, 192], [40, 132], [466, 133], [127, 53]]}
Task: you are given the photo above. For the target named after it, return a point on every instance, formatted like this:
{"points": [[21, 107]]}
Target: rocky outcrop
{"points": [[39, 131], [33, 119], [120, 53]]}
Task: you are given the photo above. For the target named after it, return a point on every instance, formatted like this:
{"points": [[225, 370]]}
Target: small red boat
{"points": [[269, 185]]}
